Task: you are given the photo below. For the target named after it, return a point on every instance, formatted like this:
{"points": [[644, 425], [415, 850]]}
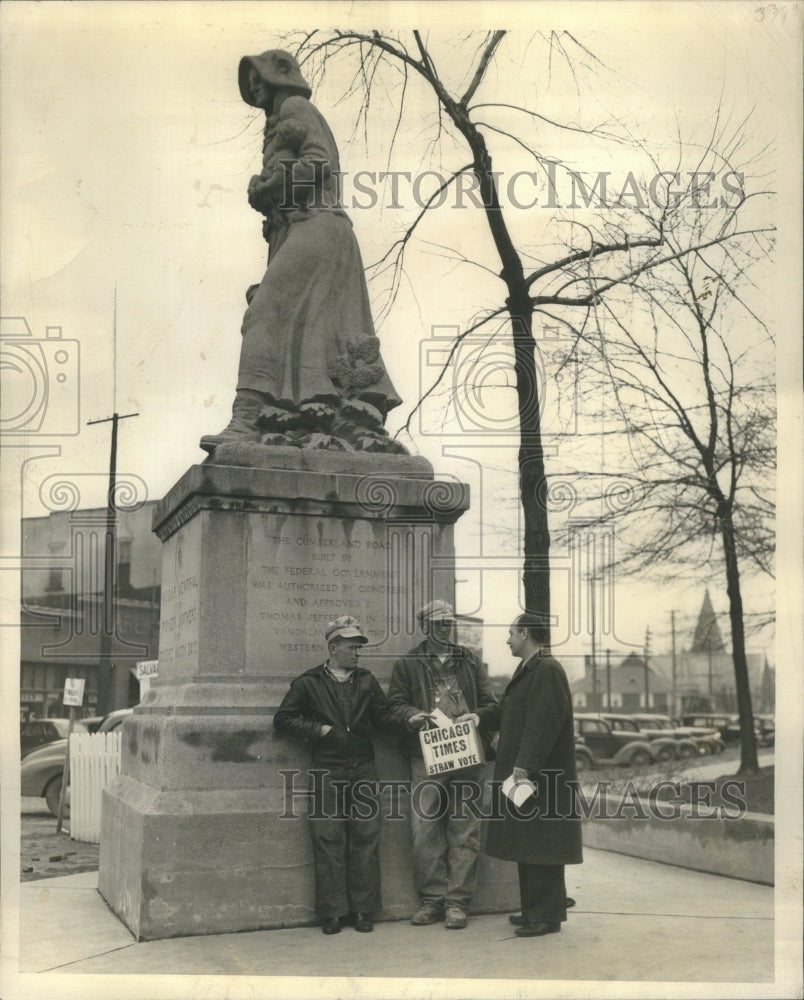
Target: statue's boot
{"points": [[243, 425]]}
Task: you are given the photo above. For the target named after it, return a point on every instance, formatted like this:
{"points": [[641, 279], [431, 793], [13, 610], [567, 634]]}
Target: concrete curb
{"points": [[738, 848]]}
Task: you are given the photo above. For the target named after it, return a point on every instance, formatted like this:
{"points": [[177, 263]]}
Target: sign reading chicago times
{"points": [[450, 747], [300, 579]]}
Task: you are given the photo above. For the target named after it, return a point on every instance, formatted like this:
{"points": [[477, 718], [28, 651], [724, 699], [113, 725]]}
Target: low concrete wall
{"points": [[738, 848]]}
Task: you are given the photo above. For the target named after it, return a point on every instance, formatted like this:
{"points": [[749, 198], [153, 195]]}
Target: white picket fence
{"points": [[94, 761]]}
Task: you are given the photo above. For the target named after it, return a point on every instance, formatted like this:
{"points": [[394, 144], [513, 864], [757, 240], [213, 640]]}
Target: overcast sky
{"points": [[126, 154]]}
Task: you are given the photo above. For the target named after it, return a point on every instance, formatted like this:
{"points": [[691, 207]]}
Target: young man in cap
{"points": [[446, 841], [335, 707]]}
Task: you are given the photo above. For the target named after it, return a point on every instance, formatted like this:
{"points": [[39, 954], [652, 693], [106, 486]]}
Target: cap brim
{"points": [[349, 633]]}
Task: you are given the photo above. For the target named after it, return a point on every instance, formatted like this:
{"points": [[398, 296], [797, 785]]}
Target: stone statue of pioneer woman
{"points": [[310, 372]]}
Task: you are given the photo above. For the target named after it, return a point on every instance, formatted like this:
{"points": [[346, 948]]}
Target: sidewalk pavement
{"points": [[635, 920]]}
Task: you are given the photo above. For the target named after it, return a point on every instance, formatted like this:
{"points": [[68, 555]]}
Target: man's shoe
{"points": [[364, 923], [331, 925], [518, 920], [454, 918], [430, 912], [537, 930]]}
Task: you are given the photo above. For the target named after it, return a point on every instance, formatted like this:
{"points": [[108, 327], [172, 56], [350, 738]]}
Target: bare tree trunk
{"points": [[532, 476], [748, 743]]}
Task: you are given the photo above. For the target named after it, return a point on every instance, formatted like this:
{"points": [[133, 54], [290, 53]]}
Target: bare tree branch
{"points": [[482, 66]]}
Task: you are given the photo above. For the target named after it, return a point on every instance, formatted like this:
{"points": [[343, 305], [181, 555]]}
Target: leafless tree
{"points": [[682, 375], [569, 277]]}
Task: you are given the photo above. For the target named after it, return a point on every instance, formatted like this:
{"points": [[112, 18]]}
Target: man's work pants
{"points": [[446, 835], [345, 828]]}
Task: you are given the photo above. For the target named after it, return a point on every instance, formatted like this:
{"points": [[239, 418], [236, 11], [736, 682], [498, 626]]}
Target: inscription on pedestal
{"points": [[299, 579], [179, 622]]}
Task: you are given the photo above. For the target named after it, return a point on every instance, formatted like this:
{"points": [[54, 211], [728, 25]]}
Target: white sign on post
{"points": [[146, 671], [73, 691], [450, 746], [147, 668]]}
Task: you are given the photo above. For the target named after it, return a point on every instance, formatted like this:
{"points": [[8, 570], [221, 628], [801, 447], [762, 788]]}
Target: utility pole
{"points": [[608, 680], [593, 623], [647, 677], [673, 693], [111, 689]]}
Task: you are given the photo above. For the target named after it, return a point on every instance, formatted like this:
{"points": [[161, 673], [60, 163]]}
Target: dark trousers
{"points": [[543, 893], [345, 829]]}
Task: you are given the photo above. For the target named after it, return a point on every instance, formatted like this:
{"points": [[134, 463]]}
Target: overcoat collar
{"points": [[525, 666]]}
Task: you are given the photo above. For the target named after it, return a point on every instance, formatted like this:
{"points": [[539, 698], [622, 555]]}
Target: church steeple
{"points": [[707, 637]]}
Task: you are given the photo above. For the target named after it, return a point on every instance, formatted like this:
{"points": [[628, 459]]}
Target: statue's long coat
{"points": [[308, 333], [536, 733]]}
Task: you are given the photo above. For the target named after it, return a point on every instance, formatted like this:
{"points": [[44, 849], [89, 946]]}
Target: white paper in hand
{"points": [[518, 791], [440, 719]]}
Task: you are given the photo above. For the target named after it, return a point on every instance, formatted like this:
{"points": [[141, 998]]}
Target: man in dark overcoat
{"points": [[536, 744]]}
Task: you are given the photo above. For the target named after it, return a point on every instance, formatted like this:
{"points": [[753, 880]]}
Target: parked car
{"points": [[114, 720], [718, 721], [764, 730], [690, 742], [38, 732], [41, 773], [729, 726], [584, 759], [767, 727], [609, 747], [106, 723], [664, 747], [42, 769]]}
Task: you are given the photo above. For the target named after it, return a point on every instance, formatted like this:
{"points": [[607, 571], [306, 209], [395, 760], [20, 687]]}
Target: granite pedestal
{"points": [[204, 831]]}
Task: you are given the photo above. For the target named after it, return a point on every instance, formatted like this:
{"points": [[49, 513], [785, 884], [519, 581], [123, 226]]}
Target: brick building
{"points": [[64, 613]]}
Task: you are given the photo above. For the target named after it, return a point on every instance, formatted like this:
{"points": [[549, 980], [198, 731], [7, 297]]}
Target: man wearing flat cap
{"points": [[335, 707], [446, 836]]}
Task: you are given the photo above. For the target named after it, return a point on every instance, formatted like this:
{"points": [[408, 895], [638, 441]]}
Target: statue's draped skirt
{"points": [[311, 304]]}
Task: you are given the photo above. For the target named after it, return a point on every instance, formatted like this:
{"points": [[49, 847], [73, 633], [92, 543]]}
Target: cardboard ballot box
{"points": [[450, 746]]}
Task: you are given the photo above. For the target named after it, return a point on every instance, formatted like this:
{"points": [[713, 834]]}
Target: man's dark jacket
{"points": [[311, 703], [535, 723], [412, 687]]}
